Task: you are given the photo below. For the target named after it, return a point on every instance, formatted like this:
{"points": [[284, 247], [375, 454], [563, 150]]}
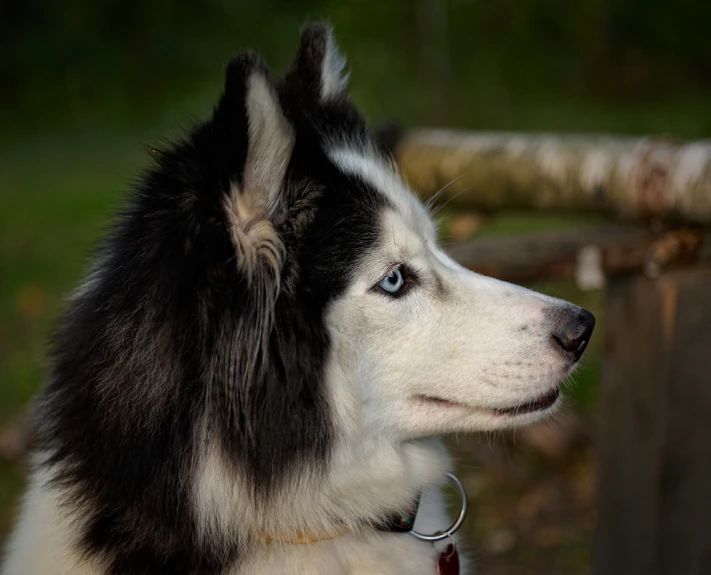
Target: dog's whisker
{"points": [[432, 199]]}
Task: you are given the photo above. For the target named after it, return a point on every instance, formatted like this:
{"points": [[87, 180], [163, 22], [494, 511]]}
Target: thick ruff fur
{"points": [[234, 365]]}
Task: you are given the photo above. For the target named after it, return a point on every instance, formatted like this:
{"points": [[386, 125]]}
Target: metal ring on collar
{"points": [[440, 535]]}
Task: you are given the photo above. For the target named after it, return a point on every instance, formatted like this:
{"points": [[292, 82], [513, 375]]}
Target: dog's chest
{"points": [[349, 555]]}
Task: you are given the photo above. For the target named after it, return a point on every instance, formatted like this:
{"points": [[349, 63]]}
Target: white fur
{"points": [[44, 538], [365, 478], [333, 79], [460, 336]]}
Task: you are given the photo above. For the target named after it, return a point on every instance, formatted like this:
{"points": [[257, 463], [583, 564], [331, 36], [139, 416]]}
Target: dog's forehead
{"points": [[385, 179]]}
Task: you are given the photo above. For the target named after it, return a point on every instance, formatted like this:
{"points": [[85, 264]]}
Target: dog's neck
{"points": [[363, 484], [366, 481]]}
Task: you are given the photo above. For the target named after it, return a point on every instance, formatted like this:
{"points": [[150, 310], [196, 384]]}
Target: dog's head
{"points": [[409, 342], [275, 278]]}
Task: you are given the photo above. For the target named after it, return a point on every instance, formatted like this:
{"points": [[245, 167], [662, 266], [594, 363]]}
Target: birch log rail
{"points": [[634, 177]]}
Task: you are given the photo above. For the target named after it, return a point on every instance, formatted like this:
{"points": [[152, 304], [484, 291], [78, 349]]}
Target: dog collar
{"points": [[395, 523], [402, 522], [300, 538]]}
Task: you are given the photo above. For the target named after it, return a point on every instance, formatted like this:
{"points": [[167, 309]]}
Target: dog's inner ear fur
{"points": [[317, 71], [271, 141], [252, 205]]}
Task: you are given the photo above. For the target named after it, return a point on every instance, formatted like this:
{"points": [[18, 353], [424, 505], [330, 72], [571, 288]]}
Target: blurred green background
{"points": [[88, 86]]}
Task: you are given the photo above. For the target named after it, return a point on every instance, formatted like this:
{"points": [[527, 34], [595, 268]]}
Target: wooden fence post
{"points": [[654, 504]]}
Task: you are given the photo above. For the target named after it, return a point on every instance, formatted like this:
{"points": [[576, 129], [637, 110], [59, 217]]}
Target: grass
{"points": [[11, 484], [55, 197], [53, 205]]}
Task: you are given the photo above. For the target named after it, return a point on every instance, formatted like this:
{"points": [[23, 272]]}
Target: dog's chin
{"points": [[540, 403], [445, 415]]}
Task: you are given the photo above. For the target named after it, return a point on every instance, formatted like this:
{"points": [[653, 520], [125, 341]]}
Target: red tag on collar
{"points": [[448, 563]]}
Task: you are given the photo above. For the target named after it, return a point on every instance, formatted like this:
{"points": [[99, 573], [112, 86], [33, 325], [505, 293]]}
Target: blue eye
{"points": [[393, 282]]}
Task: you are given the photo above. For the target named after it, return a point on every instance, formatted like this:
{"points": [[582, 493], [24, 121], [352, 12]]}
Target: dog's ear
{"points": [[270, 138], [267, 360], [254, 200], [317, 71]]}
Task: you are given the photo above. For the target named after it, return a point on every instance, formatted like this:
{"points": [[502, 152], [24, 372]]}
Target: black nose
{"points": [[572, 330]]}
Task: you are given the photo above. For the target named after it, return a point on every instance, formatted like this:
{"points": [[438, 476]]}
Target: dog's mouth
{"points": [[539, 404]]}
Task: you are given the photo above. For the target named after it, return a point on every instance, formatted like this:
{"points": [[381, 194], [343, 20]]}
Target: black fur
{"points": [[142, 364]]}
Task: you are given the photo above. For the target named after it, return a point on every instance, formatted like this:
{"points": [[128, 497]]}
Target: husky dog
{"points": [[259, 364]]}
